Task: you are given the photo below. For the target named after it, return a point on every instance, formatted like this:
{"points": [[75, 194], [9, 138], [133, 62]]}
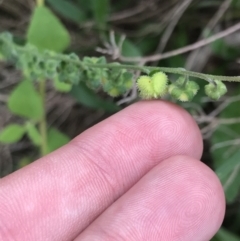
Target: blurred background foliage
{"points": [[151, 27]]}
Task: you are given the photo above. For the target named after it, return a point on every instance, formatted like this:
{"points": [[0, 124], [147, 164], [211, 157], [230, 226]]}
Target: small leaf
{"points": [[228, 171], [12, 133], [56, 139], [100, 10], [89, 98], [222, 49], [68, 10], [226, 167], [225, 235], [129, 49], [25, 101], [33, 134], [46, 31], [61, 86]]}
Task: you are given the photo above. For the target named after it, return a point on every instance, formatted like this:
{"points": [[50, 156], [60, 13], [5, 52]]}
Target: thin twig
{"points": [[209, 27], [185, 49], [127, 13], [219, 14], [178, 12], [225, 144]]}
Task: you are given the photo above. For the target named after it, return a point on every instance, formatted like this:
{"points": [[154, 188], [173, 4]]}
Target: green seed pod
{"points": [[114, 92], [145, 87], [119, 85], [90, 60], [152, 87], [128, 84], [69, 72], [182, 90], [180, 94], [160, 82], [215, 90], [187, 85], [51, 66], [193, 86], [125, 81], [96, 78]]}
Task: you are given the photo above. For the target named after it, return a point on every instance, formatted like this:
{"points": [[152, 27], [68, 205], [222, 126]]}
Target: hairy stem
{"points": [[179, 71], [43, 122], [146, 69]]}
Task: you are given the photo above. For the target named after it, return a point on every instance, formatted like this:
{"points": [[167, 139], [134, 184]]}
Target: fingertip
{"points": [[179, 199], [205, 190], [165, 128], [100, 164], [166, 121]]}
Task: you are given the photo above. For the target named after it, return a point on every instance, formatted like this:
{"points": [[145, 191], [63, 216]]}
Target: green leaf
{"points": [[129, 49], [236, 4], [46, 31], [24, 162], [225, 169], [85, 5], [89, 98], [1, 57], [225, 235], [68, 9], [25, 101], [147, 45], [56, 139], [227, 158], [33, 134], [222, 49], [229, 175], [61, 86], [100, 10], [12, 133]]}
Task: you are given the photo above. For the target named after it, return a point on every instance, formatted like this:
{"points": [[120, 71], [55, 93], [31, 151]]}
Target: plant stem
{"points": [[146, 69], [40, 3], [43, 122], [179, 71]]}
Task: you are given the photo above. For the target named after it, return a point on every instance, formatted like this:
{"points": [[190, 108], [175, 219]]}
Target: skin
{"points": [[134, 176]]}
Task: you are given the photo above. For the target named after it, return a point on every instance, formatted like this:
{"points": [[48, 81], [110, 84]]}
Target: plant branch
{"points": [[179, 71], [178, 11], [186, 49], [145, 69], [194, 56]]}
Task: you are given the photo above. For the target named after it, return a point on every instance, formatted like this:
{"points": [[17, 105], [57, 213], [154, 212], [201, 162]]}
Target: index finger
{"points": [[58, 196]]}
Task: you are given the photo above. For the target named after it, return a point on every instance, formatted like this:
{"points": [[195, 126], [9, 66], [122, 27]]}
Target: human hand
{"points": [[135, 176]]}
